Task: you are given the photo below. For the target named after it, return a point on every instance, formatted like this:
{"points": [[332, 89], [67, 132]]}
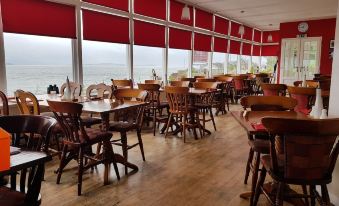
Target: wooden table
{"points": [[25, 160]]}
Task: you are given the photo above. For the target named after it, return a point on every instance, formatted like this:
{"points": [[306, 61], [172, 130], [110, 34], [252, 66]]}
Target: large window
{"points": [[255, 66], [232, 63], [178, 64], [145, 60], [244, 64], [34, 62], [104, 61], [219, 61], [200, 66], [267, 64]]}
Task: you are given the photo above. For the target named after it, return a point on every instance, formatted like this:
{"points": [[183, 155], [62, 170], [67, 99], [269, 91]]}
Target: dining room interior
{"points": [[169, 102]]}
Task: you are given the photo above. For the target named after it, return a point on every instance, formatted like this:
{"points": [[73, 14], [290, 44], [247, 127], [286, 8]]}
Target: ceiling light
{"points": [[186, 14], [270, 38], [241, 30]]}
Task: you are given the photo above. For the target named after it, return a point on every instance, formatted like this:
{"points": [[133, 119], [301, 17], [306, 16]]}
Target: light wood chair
{"points": [[191, 80], [75, 88], [205, 80], [124, 83], [240, 87], [27, 103], [227, 91], [273, 89], [180, 83], [99, 91], [154, 82], [4, 110], [304, 96]]}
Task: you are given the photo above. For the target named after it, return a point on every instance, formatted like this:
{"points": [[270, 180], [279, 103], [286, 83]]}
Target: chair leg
{"points": [[313, 194], [184, 127], [141, 145], [212, 117], [304, 187], [325, 196], [248, 165], [279, 201], [80, 170], [259, 186], [154, 120], [62, 163], [255, 175], [203, 120], [124, 149], [168, 124]]}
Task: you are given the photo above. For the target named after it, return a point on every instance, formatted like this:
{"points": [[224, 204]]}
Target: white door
{"points": [[299, 57]]}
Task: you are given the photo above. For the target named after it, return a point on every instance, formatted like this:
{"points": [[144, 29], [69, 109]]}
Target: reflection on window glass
{"points": [[255, 67], [218, 64], [244, 64], [178, 64], [267, 64], [145, 60], [232, 63], [34, 62], [104, 61], [200, 65]]}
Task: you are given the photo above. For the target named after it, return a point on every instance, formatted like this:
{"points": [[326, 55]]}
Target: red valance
{"points": [[221, 25], [148, 34], [115, 4], [98, 27], [246, 49], [248, 33], [38, 17], [176, 11], [270, 50], [156, 9], [257, 36], [203, 19], [180, 39], [235, 29], [256, 50], [220, 44], [202, 42], [235, 47]]}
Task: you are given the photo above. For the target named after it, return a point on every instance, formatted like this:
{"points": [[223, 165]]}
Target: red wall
{"points": [[317, 28]]}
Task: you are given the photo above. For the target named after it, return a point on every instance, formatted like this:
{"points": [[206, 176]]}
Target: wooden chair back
{"points": [[268, 103], [27, 102], [188, 79], [153, 96], [274, 89], [4, 110], [154, 82], [208, 97], [224, 79], [40, 128], [239, 82], [75, 88], [130, 94], [309, 148], [205, 85], [68, 115], [99, 91], [205, 80], [123, 83], [180, 83], [312, 83], [304, 96], [297, 83], [199, 77], [178, 99]]}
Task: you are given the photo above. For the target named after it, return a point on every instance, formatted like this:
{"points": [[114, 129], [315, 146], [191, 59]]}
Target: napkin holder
{"points": [[5, 139]]}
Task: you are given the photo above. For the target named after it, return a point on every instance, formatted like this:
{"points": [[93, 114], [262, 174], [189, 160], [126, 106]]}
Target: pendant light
{"points": [[241, 30], [185, 15], [270, 38]]}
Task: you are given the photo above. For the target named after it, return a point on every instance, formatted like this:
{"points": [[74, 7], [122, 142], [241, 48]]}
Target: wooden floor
{"points": [[207, 171]]}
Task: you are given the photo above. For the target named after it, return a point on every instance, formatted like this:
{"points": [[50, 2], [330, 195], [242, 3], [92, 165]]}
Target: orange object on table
{"points": [[5, 139]]}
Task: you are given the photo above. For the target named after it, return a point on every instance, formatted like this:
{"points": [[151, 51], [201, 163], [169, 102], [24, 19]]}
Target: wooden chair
{"points": [[75, 88], [205, 102], [4, 110], [132, 120], [240, 86], [180, 83], [78, 142], [304, 96], [260, 144], [303, 152], [178, 99], [39, 128], [199, 77], [99, 91], [312, 83], [156, 106], [191, 80], [227, 90], [273, 89], [124, 83], [154, 82], [297, 83], [205, 80]]}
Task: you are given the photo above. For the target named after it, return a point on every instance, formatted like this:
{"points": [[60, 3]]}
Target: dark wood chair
{"points": [[205, 80], [227, 91], [304, 96], [180, 83], [4, 109], [205, 102], [260, 144], [303, 152], [155, 107], [179, 99], [78, 142], [39, 129], [75, 88], [240, 86], [129, 121], [273, 89], [154, 82], [124, 83], [260, 79]]}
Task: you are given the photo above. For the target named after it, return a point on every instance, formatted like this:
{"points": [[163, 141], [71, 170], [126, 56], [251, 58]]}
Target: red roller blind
{"points": [[147, 34], [202, 42], [38, 17], [275, 36], [257, 36], [203, 19], [176, 11], [248, 33], [156, 9], [235, 29], [115, 4], [256, 50], [180, 39], [98, 27], [234, 47], [270, 50], [221, 25], [220, 45], [246, 49]]}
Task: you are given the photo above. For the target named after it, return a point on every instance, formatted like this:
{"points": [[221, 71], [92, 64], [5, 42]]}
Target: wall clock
{"points": [[303, 27]]}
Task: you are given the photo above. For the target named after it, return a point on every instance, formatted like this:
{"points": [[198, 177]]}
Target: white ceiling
{"points": [[262, 13]]}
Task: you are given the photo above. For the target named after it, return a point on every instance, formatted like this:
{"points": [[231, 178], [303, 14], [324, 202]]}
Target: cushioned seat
{"points": [[260, 145], [95, 136], [122, 126]]}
